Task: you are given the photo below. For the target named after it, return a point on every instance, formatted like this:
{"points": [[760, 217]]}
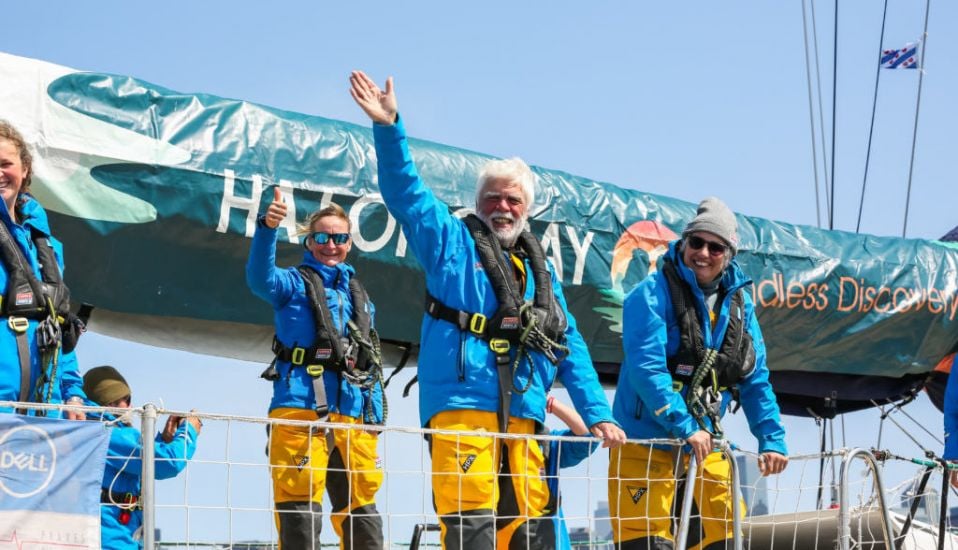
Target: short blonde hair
{"points": [[332, 209]]}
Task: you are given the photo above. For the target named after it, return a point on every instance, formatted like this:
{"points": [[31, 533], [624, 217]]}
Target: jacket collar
{"points": [[34, 216], [340, 273]]}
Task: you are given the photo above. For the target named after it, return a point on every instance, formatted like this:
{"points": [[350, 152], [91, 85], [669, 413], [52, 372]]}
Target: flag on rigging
{"points": [[904, 58]]}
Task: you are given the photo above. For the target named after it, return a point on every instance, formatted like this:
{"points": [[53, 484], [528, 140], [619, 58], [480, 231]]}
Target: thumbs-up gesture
{"points": [[276, 212]]}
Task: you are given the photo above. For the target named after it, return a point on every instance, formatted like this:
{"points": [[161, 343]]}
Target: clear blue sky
{"points": [[679, 99]]}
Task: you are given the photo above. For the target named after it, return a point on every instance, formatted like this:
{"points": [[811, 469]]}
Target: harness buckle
{"points": [[500, 346], [477, 324], [298, 356], [18, 324], [315, 370]]}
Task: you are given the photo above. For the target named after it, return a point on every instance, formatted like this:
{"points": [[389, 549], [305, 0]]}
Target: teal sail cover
{"points": [[155, 194]]}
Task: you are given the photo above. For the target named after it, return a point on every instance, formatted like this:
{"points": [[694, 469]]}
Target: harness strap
{"points": [[409, 385], [298, 356], [406, 354], [109, 497], [505, 391], [326, 330], [474, 323], [319, 390], [19, 327]]}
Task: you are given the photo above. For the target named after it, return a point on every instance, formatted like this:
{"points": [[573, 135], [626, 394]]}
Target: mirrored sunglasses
{"points": [[321, 237], [696, 243]]}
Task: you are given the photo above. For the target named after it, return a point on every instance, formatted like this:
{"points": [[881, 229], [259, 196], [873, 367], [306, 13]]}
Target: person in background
{"points": [[120, 513], [327, 363], [951, 420], [564, 454], [37, 362], [691, 338], [496, 333]]}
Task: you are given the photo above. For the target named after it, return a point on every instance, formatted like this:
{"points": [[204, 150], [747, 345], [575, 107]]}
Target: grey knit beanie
{"points": [[716, 218]]}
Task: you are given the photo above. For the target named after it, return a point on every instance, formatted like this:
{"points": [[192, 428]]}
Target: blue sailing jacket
{"points": [[457, 370], [951, 414], [124, 468], [296, 326], [64, 379], [645, 404]]}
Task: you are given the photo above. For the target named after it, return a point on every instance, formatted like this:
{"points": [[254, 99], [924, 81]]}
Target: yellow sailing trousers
{"points": [[303, 467], [487, 492], [642, 486]]}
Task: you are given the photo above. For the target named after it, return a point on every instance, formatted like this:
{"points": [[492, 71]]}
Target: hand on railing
{"points": [[174, 422], [772, 463], [701, 443]]}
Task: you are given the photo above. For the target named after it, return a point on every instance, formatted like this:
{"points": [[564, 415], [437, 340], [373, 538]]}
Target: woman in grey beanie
{"points": [[690, 325]]}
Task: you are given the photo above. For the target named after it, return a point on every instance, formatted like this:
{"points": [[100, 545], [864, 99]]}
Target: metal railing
{"points": [[424, 521]]}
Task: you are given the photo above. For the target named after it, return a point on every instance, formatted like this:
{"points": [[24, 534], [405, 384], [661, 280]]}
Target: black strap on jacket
{"points": [[46, 299], [539, 324], [707, 370], [357, 357]]}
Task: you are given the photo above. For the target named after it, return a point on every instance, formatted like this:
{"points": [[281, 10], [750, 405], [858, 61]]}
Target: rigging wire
{"points": [[831, 213], [831, 434], [871, 127], [811, 118], [881, 429], [820, 422], [821, 109], [900, 427], [914, 135], [900, 409]]}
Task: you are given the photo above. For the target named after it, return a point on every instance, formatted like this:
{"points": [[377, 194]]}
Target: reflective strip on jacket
{"points": [[457, 370], [295, 325], [68, 382], [645, 404]]}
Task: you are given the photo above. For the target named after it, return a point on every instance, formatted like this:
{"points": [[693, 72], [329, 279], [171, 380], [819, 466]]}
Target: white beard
{"points": [[507, 237]]}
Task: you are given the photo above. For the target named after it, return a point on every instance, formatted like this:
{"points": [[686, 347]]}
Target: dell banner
{"points": [[50, 476]]}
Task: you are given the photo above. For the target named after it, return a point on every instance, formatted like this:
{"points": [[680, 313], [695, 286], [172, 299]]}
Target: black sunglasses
{"points": [[321, 237], [696, 243]]}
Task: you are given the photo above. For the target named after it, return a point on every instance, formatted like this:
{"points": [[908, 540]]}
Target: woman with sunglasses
{"points": [[322, 366], [691, 340]]}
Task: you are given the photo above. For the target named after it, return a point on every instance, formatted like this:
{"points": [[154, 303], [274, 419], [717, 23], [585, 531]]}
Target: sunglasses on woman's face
{"points": [[696, 243], [321, 237]]}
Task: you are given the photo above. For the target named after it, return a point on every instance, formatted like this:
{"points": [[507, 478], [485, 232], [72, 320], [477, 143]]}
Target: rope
{"points": [[694, 397], [532, 336]]}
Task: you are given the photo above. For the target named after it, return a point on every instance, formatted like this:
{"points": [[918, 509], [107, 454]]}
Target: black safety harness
{"points": [[46, 299], [356, 357], [518, 324], [707, 371]]}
